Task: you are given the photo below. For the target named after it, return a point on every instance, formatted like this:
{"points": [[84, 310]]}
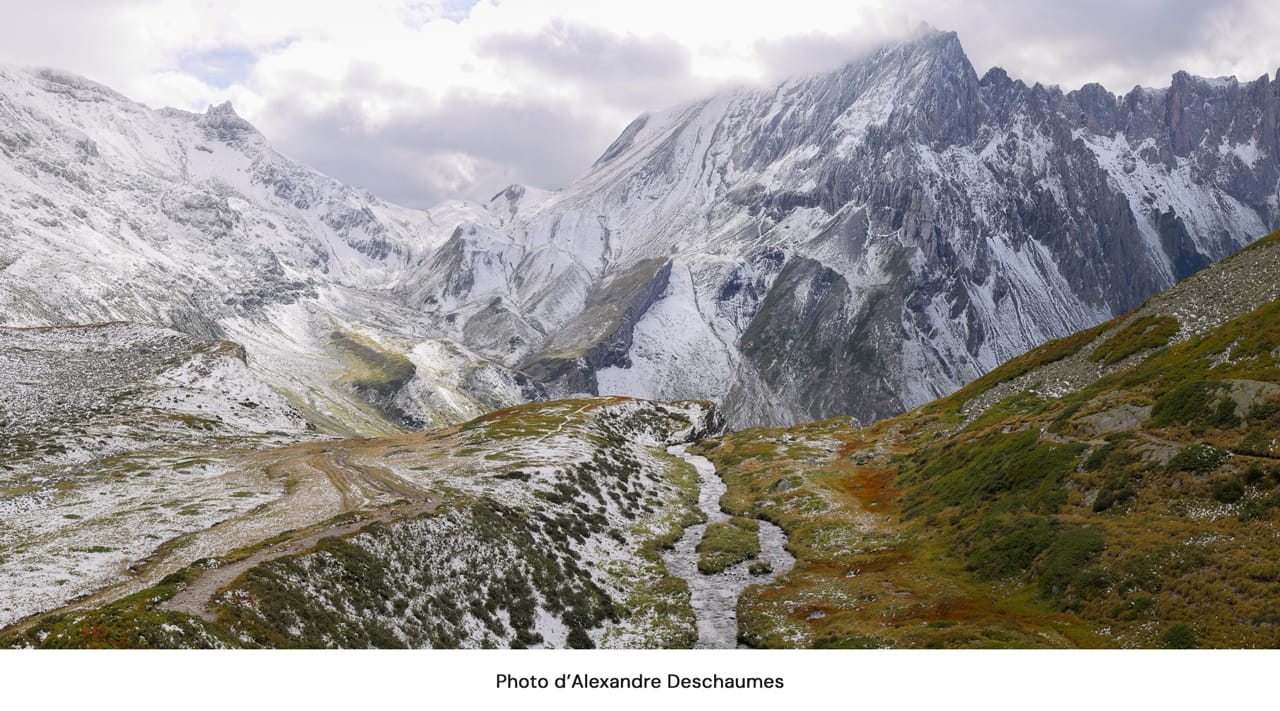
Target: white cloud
{"points": [[420, 100]]}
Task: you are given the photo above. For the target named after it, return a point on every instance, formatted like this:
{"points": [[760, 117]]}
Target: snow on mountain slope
{"points": [[113, 211], [79, 393], [849, 243], [863, 241], [145, 202], [106, 438]]}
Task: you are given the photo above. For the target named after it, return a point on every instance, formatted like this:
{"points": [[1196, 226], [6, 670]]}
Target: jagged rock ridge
{"points": [[856, 242], [863, 241]]}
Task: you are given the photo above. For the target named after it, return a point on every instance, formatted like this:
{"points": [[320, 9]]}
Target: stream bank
{"points": [[714, 597]]}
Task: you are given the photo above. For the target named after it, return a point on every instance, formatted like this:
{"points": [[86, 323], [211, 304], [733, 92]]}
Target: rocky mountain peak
{"points": [[946, 97], [922, 60], [623, 141], [923, 88], [944, 46], [855, 242], [511, 193], [910, 213], [58, 81], [222, 123], [995, 76]]}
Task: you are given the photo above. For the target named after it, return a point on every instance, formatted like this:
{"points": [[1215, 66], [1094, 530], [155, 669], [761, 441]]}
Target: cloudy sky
{"points": [[423, 100]]}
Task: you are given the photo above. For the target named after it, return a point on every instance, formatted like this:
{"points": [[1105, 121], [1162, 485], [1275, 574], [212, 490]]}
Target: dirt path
{"points": [[321, 483], [196, 598], [361, 488], [560, 427]]}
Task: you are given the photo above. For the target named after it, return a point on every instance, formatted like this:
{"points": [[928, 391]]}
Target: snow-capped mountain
{"points": [[862, 241], [115, 212], [856, 242]]}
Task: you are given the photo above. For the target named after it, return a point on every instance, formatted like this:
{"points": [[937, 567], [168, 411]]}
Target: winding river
{"points": [[715, 597]]}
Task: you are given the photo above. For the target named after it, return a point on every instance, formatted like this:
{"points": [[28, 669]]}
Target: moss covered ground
{"points": [[727, 543]]}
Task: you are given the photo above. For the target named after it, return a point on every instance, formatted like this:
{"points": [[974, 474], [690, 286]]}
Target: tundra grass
{"points": [[727, 543]]}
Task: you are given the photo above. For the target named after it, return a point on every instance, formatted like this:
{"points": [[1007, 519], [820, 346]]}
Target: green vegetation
{"points": [[663, 599], [1117, 453], [1198, 458], [1016, 405], [1194, 402], [867, 582], [1117, 491], [1228, 491], [1066, 516], [1050, 352], [1143, 333], [1249, 341], [1065, 569], [367, 591], [603, 314], [727, 543], [1011, 548], [532, 420], [760, 567], [371, 368], [1181, 637], [1259, 507], [196, 423], [129, 623], [972, 472], [375, 374]]}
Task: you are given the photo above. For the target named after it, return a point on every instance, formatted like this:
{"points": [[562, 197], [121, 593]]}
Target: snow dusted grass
{"points": [[85, 531], [595, 497], [548, 535], [101, 452], [73, 395], [728, 543], [656, 605], [472, 576]]}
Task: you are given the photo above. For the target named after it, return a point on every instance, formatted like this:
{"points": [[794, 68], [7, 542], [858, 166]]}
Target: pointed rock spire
{"points": [[222, 123]]}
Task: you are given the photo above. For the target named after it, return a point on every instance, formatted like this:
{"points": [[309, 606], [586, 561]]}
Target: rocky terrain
{"points": [[245, 405], [536, 526], [857, 242], [863, 241], [116, 212], [114, 439], [1116, 488]]}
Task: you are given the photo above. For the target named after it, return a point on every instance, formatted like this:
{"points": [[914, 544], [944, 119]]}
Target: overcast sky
{"points": [[423, 100]]}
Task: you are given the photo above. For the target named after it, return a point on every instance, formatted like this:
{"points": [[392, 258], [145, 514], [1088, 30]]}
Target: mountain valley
{"points": [[889, 356]]}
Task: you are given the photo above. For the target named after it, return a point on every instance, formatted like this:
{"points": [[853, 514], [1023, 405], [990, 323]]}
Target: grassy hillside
{"points": [[538, 525], [1118, 487]]}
